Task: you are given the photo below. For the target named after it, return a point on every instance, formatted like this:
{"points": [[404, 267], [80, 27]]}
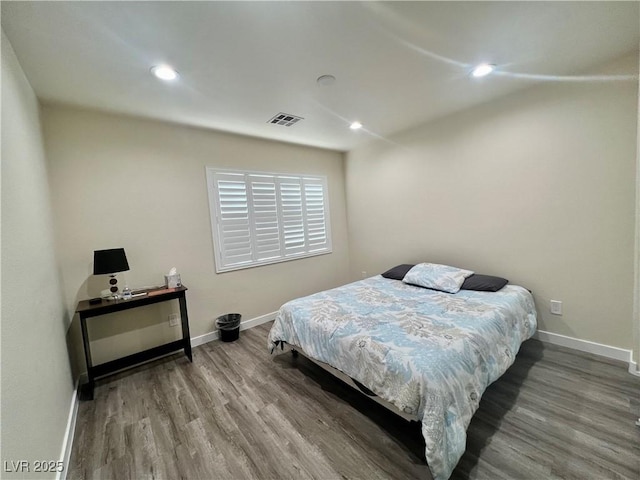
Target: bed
{"points": [[429, 353]]}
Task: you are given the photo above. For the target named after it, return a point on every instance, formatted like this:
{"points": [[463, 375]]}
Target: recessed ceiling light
{"points": [[482, 70], [355, 126], [164, 72]]}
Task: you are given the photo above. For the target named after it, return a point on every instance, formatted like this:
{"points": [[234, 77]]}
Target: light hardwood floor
{"points": [[239, 413]]}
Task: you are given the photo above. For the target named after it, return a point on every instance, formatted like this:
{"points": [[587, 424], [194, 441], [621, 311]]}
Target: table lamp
{"points": [[109, 262]]}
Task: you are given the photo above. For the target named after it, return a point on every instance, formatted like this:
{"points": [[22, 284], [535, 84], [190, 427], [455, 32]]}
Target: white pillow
{"points": [[437, 277]]}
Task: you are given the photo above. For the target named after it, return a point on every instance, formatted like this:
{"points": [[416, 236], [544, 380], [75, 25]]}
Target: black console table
{"points": [[87, 310]]}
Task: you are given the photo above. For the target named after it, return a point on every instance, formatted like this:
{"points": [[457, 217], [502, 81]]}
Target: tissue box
{"points": [[172, 281]]}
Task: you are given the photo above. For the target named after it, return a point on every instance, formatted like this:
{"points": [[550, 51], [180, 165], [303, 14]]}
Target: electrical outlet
{"points": [[174, 320], [556, 307], [364, 274]]}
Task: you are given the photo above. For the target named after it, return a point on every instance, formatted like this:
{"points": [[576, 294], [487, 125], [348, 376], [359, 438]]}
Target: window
{"points": [[262, 218]]}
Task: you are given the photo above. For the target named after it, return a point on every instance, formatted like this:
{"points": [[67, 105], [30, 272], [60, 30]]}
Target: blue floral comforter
{"points": [[431, 354]]}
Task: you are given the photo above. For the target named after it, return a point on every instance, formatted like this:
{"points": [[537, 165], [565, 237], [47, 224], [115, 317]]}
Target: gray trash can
{"points": [[229, 326]]}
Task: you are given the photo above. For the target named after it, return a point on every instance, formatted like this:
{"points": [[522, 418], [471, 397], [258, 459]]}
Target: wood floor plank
{"points": [[239, 413]]}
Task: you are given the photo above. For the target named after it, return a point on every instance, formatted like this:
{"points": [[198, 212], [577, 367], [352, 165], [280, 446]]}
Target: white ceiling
{"points": [[397, 64]]}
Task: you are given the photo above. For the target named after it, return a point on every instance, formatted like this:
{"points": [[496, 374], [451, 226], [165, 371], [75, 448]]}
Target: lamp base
{"points": [[113, 281]]}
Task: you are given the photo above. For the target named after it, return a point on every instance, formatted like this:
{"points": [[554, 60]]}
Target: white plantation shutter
{"points": [[315, 216], [234, 226], [266, 222], [292, 215], [261, 218]]}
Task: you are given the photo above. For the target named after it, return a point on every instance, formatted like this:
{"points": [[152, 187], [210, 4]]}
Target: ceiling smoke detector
{"points": [[326, 80], [285, 119]]}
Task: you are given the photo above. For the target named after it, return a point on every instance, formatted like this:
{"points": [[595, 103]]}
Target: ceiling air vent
{"points": [[285, 119]]}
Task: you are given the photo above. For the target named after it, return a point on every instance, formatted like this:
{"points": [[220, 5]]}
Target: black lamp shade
{"points": [[109, 261]]}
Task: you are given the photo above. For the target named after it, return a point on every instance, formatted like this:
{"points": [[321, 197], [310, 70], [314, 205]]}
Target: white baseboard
{"points": [[254, 322], [633, 368], [607, 351], [67, 442]]}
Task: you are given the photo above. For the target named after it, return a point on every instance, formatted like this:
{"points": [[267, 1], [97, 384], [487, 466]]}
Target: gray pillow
{"points": [[398, 272], [483, 283]]}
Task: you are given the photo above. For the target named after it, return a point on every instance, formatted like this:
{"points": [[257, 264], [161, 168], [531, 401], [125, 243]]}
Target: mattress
{"points": [[430, 354]]}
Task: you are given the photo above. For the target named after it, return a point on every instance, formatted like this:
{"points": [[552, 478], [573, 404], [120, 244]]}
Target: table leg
{"points": [[186, 337], [86, 390]]}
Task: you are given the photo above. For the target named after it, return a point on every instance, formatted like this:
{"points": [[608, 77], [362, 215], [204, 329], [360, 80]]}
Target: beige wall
{"points": [[37, 387], [124, 182], [537, 187], [636, 288]]}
